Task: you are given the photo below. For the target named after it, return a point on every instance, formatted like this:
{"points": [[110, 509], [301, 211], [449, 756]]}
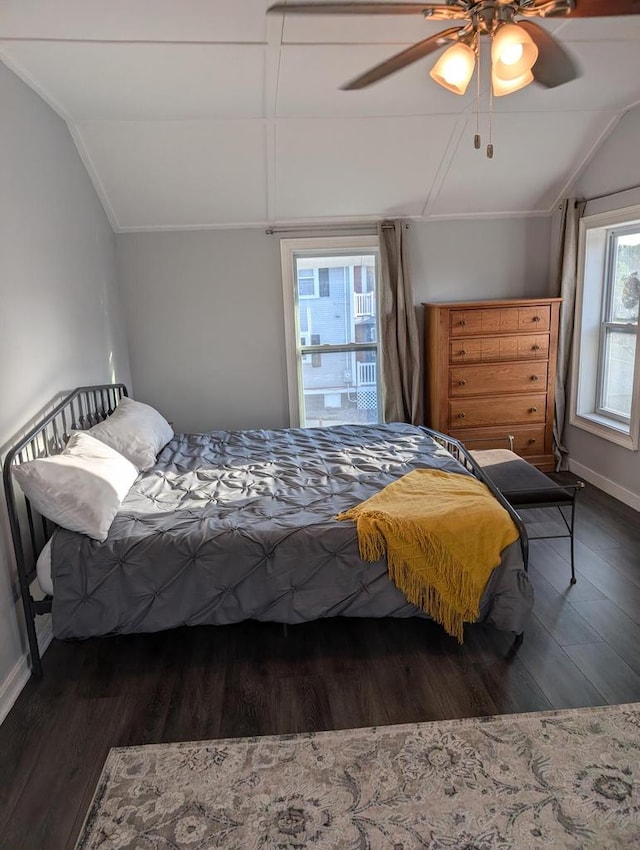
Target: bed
{"points": [[235, 525]]}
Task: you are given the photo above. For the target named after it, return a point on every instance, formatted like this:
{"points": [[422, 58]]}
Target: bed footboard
{"points": [[461, 454]]}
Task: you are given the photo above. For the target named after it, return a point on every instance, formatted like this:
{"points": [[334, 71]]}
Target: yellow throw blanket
{"points": [[442, 534]]}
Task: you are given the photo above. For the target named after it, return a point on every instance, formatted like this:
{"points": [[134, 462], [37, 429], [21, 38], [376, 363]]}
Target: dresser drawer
{"points": [[534, 318], [495, 378], [505, 410], [499, 320], [492, 320], [526, 440], [493, 348]]}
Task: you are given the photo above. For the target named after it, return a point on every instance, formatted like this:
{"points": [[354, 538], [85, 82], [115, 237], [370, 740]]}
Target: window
{"points": [[307, 283], [620, 324], [313, 283], [606, 394], [324, 288], [331, 319]]}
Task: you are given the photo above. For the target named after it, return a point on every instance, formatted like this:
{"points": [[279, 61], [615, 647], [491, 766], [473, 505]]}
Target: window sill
{"points": [[608, 429]]}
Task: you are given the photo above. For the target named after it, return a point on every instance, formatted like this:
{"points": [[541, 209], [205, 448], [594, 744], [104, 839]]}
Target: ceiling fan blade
{"points": [[555, 66], [402, 59], [362, 8], [604, 8]]}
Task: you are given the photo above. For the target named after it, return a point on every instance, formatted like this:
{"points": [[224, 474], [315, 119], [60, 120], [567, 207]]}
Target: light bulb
{"points": [[454, 68], [513, 52]]}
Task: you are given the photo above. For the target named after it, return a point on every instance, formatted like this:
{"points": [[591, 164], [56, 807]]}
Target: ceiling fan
{"points": [[521, 50]]}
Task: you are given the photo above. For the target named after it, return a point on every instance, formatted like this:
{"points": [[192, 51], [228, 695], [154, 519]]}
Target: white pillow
{"points": [[81, 488], [136, 430]]}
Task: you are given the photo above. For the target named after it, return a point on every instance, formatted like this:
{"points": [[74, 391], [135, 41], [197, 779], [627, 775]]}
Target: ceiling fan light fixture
{"points": [[501, 86], [454, 68], [513, 52]]}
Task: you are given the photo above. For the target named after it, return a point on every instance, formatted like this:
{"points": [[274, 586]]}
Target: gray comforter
{"points": [[234, 525]]}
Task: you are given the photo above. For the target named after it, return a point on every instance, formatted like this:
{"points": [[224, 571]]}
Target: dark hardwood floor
{"points": [[582, 648]]}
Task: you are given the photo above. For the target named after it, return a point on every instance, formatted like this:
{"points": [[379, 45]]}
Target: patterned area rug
{"points": [[566, 779]]}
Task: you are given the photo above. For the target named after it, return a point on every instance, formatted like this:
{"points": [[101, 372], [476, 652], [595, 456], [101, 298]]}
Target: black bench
{"points": [[526, 488]]}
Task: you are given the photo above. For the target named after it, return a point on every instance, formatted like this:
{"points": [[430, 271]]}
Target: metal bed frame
{"points": [[80, 410], [462, 455]]}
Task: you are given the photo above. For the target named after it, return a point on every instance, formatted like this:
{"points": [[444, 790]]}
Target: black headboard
{"points": [[80, 410]]}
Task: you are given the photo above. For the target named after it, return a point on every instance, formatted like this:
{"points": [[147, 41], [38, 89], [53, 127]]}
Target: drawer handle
{"points": [[533, 410], [462, 323], [537, 318], [462, 353], [462, 383], [461, 415], [535, 348], [535, 377], [531, 441]]}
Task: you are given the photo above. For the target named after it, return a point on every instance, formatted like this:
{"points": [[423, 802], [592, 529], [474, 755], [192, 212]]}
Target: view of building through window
{"points": [[619, 337], [606, 381], [337, 335]]}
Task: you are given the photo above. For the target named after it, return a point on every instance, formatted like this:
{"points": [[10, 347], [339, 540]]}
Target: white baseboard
{"points": [[602, 483], [21, 673]]}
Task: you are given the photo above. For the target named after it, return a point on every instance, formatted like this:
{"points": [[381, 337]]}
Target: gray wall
{"points": [[206, 328], [60, 320], [614, 167], [204, 309], [480, 258]]}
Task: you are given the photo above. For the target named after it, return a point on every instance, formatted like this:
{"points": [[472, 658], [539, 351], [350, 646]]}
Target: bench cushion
{"points": [[519, 482]]}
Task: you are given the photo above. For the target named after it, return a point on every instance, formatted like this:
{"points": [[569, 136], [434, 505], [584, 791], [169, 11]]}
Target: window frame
{"points": [[318, 246], [608, 325], [593, 325]]}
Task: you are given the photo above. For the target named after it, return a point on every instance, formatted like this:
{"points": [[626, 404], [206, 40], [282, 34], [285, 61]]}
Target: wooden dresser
{"points": [[491, 369]]}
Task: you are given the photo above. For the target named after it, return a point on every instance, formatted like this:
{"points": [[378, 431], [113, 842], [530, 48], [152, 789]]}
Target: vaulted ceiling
{"points": [[211, 113]]}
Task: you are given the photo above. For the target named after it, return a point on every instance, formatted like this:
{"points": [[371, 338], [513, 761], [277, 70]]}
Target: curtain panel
{"points": [[566, 283], [401, 356]]}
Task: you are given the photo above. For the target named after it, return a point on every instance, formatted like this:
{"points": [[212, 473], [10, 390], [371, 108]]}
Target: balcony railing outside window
{"points": [[366, 373], [364, 304]]}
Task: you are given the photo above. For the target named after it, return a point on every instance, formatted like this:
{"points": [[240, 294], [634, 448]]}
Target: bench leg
{"points": [[573, 521], [570, 527]]}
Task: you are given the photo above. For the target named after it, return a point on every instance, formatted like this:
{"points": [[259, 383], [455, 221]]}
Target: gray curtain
{"points": [[572, 212], [401, 360]]}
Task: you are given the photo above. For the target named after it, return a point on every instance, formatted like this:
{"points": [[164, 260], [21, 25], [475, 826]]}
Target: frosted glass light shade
{"points": [[513, 52], [454, 68], [502, 87]]}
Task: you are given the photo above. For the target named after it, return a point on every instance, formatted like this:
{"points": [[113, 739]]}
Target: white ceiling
{"points": [[211, 113]]}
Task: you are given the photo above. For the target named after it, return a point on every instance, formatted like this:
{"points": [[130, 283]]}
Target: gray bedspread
{"points": [[233, 525]]}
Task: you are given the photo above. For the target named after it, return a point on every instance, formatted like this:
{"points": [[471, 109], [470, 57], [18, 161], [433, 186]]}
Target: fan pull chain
{"points": [[490, 145], [477, 140]]}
